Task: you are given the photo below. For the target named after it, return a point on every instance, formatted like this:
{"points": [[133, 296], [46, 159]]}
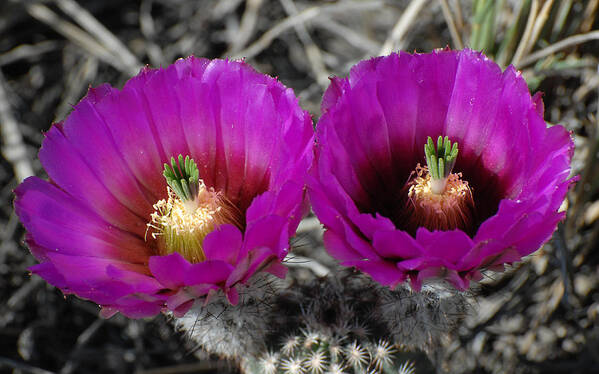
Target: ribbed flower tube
{"points": [[99, 225], [371, 188]]}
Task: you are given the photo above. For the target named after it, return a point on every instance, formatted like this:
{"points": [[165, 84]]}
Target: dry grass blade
{"points": [[556, 47], [589, 16], [247, 26], [200, 367], [510, 40], [527, 33], [21, 294], [13, 149], [312, 51], [560, 19], [482, 37], [308, 263], [586, 88], [224, 7], [22, 367], [455, 36], [82, 340], [84, 73], [25, 51], [264, 41], [354, 38], [77, 36], [582, 193], [457, 8], [395, 38], [89, 23], [148, 29], [538, 27]]}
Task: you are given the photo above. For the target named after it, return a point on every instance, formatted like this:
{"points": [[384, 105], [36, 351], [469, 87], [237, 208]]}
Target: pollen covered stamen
{"points": [[181, 222], [438, 199], [452, 209]]}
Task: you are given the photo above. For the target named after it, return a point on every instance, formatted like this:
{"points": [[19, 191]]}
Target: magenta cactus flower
{"points": [[187, 181], [436, 165]]}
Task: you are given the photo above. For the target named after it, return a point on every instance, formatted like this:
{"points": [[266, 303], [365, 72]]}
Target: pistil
{"points": [[440, 162], [437, 198]]}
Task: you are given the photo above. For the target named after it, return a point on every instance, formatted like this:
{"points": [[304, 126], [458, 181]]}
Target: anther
{"points": [[192, 211], [437, 198]]}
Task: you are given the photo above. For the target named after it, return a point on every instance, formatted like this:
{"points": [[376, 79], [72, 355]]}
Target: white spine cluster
{"points": [[229, 331], [344, 323], [424, 319]]}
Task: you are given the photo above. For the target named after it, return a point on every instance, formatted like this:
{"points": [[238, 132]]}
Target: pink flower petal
{"points": [[370, 138]]}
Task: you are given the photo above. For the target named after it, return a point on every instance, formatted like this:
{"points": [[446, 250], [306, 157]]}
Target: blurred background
{"points": [[540, 316]]}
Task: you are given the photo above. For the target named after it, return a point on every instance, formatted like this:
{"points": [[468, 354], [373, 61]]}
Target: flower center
{"points": [[437, 198], [181, 222]]}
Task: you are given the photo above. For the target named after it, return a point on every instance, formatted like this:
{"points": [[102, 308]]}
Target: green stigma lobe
{"points": [[441, 160], [183, 177]]}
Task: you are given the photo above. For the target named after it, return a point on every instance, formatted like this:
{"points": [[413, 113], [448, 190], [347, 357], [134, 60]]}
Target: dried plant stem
{"points": [[13, 149], [586, 175], [224, 7], [455, 36], [309, 263], [592, 243], [356, 39], [22, 367], [457, 9], [77, 36], [199, 367], [590, 13], [80, 77], [312, 51], [395, 38], [560, 19], [21, 294], [556, 47], [564, 255], [89, 23], [148, 29], [509, 43], [527, 33], [482, 37], [24, 51], [586, 88], [246, 27], [538, 27], [84, 338], [267, 38]]}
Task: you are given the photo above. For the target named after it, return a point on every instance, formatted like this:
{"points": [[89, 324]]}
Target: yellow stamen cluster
{"points": [[451, 209], [181, 226]]}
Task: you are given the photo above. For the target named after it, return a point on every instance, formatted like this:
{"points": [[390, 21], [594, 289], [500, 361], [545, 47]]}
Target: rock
{"points": [[584, 284]]}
